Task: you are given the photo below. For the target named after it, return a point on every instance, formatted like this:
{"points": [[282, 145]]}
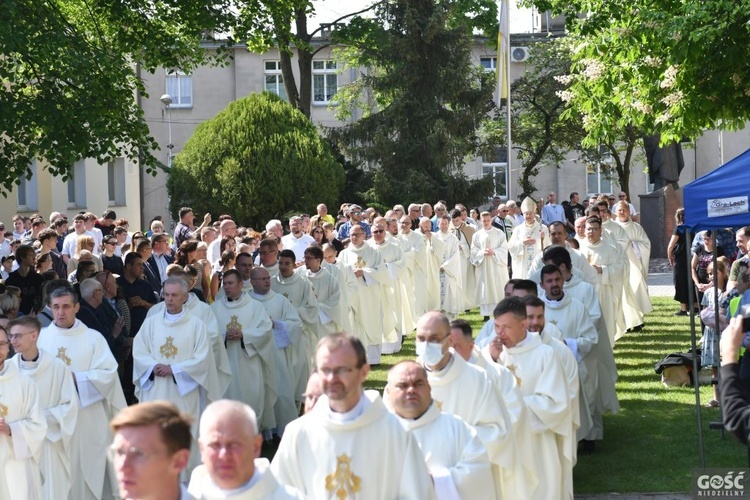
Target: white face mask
{"points": [[430, 352]]}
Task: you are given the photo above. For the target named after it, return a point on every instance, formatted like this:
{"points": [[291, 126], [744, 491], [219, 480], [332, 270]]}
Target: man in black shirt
{"points": [[27, 279], [137, 293], [573, 211]]}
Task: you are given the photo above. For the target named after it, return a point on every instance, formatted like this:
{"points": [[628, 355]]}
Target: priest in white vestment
{"points": [[607, 370], [291, 283], [608, 260], [639, 256], [527, 241], [538, 375], [330, 452], [432, 257], [464, 234], [415, 261], [100, 397], [368, 268], [451, 279], [332, 309], [466, 391], [489, 255], [390, 287], [173, 361], [558, 236], [250, 348], [269, 256], [287, 332], [243, 474], [57, 401], [454, 454], [22, 431], [201, 310]]}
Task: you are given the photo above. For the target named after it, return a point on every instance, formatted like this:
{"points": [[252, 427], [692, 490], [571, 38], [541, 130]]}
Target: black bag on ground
{"points": [[677, 368]]}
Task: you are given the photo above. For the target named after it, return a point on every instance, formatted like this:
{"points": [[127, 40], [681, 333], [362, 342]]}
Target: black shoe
{"points": [[486, 319], [588, 446], [681, 313], [639, 327]]}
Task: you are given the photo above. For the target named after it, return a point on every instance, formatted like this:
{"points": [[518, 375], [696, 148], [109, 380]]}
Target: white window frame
{"points": [[27, 196], [492, 63], [180, 99], [272, 71], [76, 185], [328, 70], [116, 183], [601, 180]]}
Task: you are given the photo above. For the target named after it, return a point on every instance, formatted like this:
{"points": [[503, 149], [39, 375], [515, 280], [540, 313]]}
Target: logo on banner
{"points": [[721, 207]]}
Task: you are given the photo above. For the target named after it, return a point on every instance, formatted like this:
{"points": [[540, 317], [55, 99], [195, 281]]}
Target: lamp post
{"points": [[167, 100]]}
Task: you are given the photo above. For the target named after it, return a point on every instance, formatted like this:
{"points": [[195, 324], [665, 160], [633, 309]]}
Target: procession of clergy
{"points": [[500, 414]]}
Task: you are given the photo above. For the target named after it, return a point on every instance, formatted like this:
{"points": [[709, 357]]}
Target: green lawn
{"points": [[651, 445]]}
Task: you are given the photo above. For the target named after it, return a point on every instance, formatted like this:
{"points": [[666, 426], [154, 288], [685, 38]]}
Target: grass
{"points": [[651, 445]]}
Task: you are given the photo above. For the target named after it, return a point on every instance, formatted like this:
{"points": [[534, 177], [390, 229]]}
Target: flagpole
{"points": [[506, 34]]}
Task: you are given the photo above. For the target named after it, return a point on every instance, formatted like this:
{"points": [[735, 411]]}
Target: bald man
{"points": [[454, 454], [230, 449]]}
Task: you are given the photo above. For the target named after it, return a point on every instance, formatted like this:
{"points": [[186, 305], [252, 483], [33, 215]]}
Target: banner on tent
{"points": [[721, 207]]}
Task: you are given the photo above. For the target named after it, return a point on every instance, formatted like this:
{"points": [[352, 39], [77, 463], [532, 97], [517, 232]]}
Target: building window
{"points": [[495, 164], [116, 182], [77, 185], [325, 81], [27, 191], [488, 63], [274, 79], [180, 89], [598, 179]]}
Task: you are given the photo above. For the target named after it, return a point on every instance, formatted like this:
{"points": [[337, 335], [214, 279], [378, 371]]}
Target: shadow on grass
{"points": [[651, 445]]}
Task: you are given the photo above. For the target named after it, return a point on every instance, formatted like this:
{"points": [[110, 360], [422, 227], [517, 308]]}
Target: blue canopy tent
{"points": [[716, 200]]}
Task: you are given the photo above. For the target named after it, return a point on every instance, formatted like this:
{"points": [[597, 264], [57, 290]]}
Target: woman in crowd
{"points": [[110, 261], [710, 339], [678, 261], [84, 242], [226, 262]]}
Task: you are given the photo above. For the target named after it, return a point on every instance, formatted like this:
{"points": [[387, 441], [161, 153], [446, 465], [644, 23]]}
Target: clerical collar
{"points": [[24, 360], [215, 492], [556, 301], [173, 318], [353, 414]]}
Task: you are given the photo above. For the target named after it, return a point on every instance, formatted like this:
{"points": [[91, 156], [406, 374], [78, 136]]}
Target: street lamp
{"points": [[167, 100]]}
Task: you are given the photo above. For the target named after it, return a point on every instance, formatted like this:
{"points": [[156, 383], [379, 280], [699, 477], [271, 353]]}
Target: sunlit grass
{"points": [[651, 444]]}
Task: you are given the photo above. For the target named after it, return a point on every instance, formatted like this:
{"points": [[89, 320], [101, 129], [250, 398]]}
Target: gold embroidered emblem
{"points": [[3, 411], [360, 264], [168, 350], [439, 404], [343, 482], [513, 369], [62, 355], [234, 324]]}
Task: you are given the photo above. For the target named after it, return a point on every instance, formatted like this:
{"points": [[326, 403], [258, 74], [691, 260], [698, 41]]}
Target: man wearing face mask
{"points": [[466, 391]]}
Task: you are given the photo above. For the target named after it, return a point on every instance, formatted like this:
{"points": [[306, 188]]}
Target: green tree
{"points": [[255, 159], [428, 98], [70, 71], [662, 67]]}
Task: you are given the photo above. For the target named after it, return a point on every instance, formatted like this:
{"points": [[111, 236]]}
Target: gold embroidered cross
{"points": [[234, 324], [360, 264], [168, 350], [343, 482], [439, 404], [3, 411], [61, 353]]}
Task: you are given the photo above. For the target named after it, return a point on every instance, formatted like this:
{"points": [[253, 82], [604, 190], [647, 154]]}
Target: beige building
{"points": [[199, 96], [92, 188]]}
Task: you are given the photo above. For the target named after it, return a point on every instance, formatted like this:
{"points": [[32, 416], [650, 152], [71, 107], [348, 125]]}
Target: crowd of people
{"points": [[199, 349]]}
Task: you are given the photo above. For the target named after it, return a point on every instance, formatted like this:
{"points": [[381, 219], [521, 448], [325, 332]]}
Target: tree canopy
{"points": [[428, 98], [252, 160], [70, 73], [665, 67]]}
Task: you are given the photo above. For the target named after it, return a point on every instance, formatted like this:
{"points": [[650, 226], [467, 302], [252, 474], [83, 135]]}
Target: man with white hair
{"points": [[232, 467], [173, 361], [527, 241], [323, 215], [296, 240], [275, 227], [552, 212], [454, 454], [390, 286], [227, 228]]}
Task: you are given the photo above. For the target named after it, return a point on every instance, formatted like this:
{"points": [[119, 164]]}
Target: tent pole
{"points": [[696, 383], [717, 327]]}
